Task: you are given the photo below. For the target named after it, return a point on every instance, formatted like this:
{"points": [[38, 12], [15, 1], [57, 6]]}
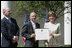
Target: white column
{"points": [[4, 4], [67, 25]]}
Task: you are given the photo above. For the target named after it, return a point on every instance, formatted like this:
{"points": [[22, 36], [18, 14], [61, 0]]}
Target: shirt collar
{"points": [[32, 22], [7, 18]]}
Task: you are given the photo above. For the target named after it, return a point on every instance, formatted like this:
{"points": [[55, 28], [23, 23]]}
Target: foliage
{"points": [[22, 7]]}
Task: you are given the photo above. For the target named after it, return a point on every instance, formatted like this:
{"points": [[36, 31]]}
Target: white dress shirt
{"points": [[33, 24]]}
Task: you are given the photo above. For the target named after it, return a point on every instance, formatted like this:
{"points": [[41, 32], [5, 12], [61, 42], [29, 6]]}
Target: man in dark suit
{"points": [[9, 30], [28, 31]]}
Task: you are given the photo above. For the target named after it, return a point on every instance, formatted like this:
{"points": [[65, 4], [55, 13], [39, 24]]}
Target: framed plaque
{"points": [[42, 34]]}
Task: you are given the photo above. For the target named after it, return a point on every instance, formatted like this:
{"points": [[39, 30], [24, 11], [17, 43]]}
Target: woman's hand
{"points": [[51, 34]]}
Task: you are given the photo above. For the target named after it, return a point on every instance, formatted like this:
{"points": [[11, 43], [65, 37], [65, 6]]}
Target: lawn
{"points": [[44, 46]]}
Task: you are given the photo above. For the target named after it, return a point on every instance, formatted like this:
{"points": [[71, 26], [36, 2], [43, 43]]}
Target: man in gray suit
{"points": [[28, 31]]}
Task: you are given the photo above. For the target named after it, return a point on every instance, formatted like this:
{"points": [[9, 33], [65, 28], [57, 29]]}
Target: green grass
{"points": [[20, 45], [64, 45], [44, 46]]}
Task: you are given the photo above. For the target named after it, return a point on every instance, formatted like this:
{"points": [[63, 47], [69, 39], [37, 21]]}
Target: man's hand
{"points": [[15, 39], [32, 35]]}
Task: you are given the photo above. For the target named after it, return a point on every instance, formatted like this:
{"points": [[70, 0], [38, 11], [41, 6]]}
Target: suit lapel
{"points": [[6, 20], [11, 20], [31, 26]]}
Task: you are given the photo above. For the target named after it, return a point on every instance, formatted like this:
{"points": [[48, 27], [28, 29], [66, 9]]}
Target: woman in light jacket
{"points": [[54, 29]]}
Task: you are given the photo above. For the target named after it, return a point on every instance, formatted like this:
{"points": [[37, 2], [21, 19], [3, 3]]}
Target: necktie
{"points": [[9, 20], [34, 26]]}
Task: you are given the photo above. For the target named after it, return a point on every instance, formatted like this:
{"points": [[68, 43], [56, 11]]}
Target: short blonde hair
{"points": [[51, 13]]}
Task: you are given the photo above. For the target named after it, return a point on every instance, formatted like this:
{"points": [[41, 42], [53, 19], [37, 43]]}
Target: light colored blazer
{"points": [[53, 28]]}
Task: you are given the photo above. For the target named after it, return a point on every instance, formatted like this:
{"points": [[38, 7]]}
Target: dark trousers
{"points": [[13, 45], [10, 45], [29, 43]]}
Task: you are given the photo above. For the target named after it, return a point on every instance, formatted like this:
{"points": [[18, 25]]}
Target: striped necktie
{"points": [[9, 20]]}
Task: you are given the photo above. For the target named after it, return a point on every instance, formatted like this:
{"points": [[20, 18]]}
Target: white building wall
{"points": [[67, 25], [4, 4]]}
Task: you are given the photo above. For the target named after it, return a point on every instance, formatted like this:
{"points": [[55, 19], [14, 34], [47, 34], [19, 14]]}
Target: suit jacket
{"points": [[27, 30], [8, 30]]}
